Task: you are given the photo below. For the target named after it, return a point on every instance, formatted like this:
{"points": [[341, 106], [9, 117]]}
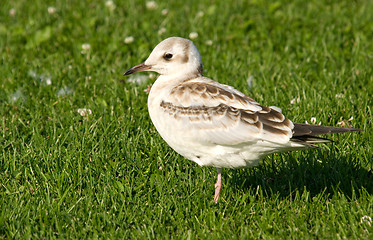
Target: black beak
{"points": [[138, 68]]}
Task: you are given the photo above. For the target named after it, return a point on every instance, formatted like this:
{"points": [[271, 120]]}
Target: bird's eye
{"points": [[167, 56]]}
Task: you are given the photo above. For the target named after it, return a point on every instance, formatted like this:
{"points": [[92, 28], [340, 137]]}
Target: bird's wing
{"points": [[223, 115]]}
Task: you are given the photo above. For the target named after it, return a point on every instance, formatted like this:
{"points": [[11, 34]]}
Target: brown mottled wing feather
{"points": [[224, 115]]}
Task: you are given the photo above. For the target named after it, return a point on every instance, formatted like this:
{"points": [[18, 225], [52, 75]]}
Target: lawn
{"points": [[80, 158]]}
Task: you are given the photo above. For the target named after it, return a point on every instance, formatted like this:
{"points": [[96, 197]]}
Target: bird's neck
{"points": [[165, 83]]}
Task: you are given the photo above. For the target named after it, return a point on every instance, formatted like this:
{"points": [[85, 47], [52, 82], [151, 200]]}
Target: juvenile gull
{"points": [[214, 124]]}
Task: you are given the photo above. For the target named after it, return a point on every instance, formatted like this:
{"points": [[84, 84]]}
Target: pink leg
{"points": [[218, 186]]}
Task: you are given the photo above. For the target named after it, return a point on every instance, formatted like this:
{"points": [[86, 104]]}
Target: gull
{"points": [[214, 124]]}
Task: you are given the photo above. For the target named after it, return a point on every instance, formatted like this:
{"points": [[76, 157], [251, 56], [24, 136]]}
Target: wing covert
{"points": [[224, 116]]}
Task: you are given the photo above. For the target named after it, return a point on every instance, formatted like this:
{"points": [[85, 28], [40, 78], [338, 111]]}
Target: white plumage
{"points": [[210, 123]]}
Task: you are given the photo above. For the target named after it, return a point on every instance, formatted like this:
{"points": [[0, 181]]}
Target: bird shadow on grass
{"points": [[317, 172]]}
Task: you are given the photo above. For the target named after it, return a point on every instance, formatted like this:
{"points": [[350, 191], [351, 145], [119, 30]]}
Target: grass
{"points": [[110, 175]]}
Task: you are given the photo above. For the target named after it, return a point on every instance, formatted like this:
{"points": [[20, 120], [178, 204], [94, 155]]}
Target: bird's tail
{"points": [[306, 134]]}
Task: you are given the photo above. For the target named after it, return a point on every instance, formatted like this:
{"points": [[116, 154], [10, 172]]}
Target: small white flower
{"points": [[84, 111], [151, 5], [129, 40], [48, 81], [193, 35], [52, 10], [161, 31], [86, 46], [152, 75], [250, 80], [45, 80], [160, 168], [339, 95], [110, 4], [343, 123], [18, 95], [32, 74], [12, 12], [64, 91], [209, 42], [137, 79], [313, 120], [164, 12], [295, 100], [366, 219]]}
